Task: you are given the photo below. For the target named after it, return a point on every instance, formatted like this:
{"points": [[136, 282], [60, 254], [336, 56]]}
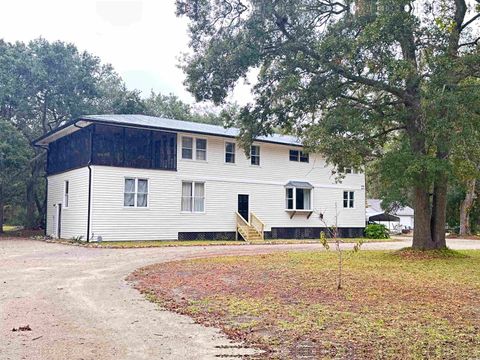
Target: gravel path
{"points": [[79, 306]]}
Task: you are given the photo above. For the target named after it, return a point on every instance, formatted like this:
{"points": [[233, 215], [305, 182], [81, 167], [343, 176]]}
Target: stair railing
{"points": [[257, 225]]}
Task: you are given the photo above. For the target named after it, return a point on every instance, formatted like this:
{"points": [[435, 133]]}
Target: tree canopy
{"points": [[351, 77]]}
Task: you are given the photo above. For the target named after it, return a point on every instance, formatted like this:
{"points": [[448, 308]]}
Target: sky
{"points": [[142, 39]]}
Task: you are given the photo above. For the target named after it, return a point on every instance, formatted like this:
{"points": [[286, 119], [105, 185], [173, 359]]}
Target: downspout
{"points": [[89, 203]]}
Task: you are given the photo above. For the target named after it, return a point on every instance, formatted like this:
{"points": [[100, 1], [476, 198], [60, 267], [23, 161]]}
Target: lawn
{"points": [[393, 305], [162, 243]]}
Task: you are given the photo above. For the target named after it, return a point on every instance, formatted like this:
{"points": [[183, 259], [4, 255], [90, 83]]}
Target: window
{"points": [[193, 196], [289, 198], [349, 170], [192, 146], [230, 152], [297, 155], [298, 199], [255, 155], [348, 199], [304, 157], [187, 147], [135, 193], [201, 151], [294, 155], [66, 194]]}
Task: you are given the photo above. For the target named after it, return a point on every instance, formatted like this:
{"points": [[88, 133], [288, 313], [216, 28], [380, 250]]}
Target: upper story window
{"points": [[255, 155], [348, 199], [191, 146], [66, 193], [187, 147], [298, 198], [298, 155], [349, 170], [230, 152], [201, 151], [135, 193], [193, 196]]}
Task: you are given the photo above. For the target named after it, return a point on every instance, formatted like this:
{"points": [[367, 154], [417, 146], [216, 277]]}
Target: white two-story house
{"points": [[134, 177]]}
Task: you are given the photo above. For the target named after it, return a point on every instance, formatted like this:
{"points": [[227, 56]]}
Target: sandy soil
{"points": [[79, 306]]}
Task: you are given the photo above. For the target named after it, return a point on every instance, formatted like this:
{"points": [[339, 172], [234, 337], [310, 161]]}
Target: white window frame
{"points": [[66, 194], [194, 148], [234, 153], [193, 197], [299, 156], [295, 199], [348, 170], [135, 197], [350, 199], [255, 156]]}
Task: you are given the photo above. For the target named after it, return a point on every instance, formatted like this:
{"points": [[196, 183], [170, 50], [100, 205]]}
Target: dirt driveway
{"points": [[79, 306]]}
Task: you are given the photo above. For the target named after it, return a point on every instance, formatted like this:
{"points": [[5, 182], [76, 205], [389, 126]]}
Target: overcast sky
{"points": [[142, 39]]}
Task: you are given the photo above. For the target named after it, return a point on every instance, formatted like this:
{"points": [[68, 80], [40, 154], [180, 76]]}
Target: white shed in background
{"points": [[402, 218]]}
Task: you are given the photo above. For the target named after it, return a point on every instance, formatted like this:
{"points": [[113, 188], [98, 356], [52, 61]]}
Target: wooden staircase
{"points": [[250, 231]]}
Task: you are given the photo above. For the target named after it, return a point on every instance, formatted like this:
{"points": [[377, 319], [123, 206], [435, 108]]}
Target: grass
{"points": [[395, 305], [162, 243]]}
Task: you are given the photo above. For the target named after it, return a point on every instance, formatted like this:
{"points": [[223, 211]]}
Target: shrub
{"points": [[376, 231]]}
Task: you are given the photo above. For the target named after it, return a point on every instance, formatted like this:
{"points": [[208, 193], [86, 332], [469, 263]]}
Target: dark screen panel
{"points": [[69, 152]]}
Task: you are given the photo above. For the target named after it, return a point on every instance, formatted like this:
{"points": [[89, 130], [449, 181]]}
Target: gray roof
{"points": [[299, 184], [375, 206], [166, 124]]}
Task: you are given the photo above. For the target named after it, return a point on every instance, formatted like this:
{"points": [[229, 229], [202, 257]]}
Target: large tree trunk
{"points": [[422, 234], [439, 213], [466, 207]]}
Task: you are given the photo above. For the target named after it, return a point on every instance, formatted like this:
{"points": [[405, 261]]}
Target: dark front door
{"points": [[243, 206]]}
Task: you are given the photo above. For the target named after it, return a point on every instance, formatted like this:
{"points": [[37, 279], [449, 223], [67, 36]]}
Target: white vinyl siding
{"points": [[164, 219], [74, 216]]}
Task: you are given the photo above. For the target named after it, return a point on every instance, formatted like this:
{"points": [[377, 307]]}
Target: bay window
{"points": [[298, 198]]}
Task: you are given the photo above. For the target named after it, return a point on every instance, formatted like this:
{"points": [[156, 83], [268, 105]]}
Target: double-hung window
{"points": [[135, 193], [193, 146], [187, 147], [298, 198], [66, 194], [348, 199], [297, 155], [201, 149], [255, 155], [230, 152], [193, 196]]}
